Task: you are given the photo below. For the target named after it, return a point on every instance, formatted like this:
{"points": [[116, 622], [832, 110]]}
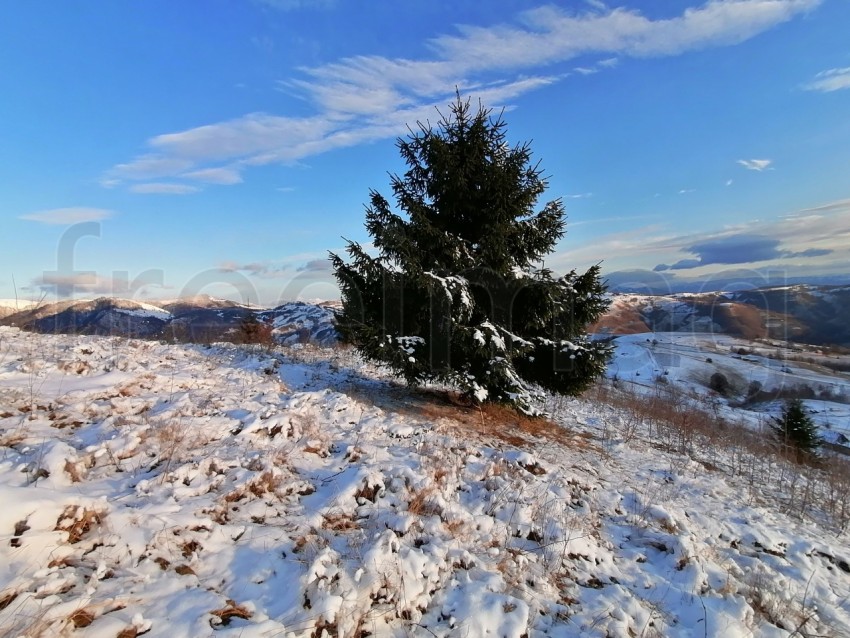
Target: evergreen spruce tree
{"points": [[253, 331], [457, 292], [797, 432]]}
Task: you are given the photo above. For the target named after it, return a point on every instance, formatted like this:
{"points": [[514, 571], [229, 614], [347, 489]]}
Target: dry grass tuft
{"points": [[190, 547], [266, 483], [77, 521], [422, 503], [77, 366], [162, 562], [231, 611], [73, 470], [81, 618], [7, 597], [490, 420], [339, 522], [367, 492], [11, 439]]}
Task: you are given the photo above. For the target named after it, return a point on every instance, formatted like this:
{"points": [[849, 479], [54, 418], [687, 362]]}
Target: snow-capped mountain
{"points": [[199, 319], [806, 314]]}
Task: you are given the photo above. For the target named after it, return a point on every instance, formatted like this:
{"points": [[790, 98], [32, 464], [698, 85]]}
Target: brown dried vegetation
{"points": [[77, 522]]}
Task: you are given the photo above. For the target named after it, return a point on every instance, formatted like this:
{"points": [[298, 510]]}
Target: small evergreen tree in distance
{"points": [[796, 430], [457, 292], [253, 331]]}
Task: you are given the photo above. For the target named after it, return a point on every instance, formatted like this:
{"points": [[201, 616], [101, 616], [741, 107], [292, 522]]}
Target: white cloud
{"points": [[247, 135], [226, 176], [549, 34], [73, 215], [755, 164], [824, 229], [365, 98], [150, 167], [157, 188], [88, 284], [685, 191], [729, 182], [830, 80]]}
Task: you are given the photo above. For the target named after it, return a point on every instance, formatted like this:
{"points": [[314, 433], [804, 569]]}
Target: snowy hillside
{"points": [[298, 322], [759, 375], [189, 491]]}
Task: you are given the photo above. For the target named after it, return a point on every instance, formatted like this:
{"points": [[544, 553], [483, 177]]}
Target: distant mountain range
{"points": [[816, 315], [199, 319]]}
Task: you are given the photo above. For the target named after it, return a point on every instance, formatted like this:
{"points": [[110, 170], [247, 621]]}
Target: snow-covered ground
{"points": [[688, 360], [189, 491]]}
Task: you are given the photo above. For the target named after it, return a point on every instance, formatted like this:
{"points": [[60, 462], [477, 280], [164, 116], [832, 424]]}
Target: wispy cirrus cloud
{"points": [[149, 167], [72, 215], [225, 176], [364, 98], [830, 80], [755, 164], [163, 188], [259, 269], [549, 34]]}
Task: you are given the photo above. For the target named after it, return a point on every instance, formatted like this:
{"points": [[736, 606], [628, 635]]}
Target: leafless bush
{"points": [[835, 487]]}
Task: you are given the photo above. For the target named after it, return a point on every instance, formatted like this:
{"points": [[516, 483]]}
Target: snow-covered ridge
{"points": [[200, 318], [12, 306], [16, 304], [802, 313], [188, 490], [146, 311]]}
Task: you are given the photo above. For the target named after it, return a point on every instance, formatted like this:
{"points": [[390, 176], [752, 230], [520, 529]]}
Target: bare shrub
{"points": [[836, 491]]}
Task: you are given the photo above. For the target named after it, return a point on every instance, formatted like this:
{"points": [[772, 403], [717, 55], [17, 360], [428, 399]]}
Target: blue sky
{"points": [[155, 149]]}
